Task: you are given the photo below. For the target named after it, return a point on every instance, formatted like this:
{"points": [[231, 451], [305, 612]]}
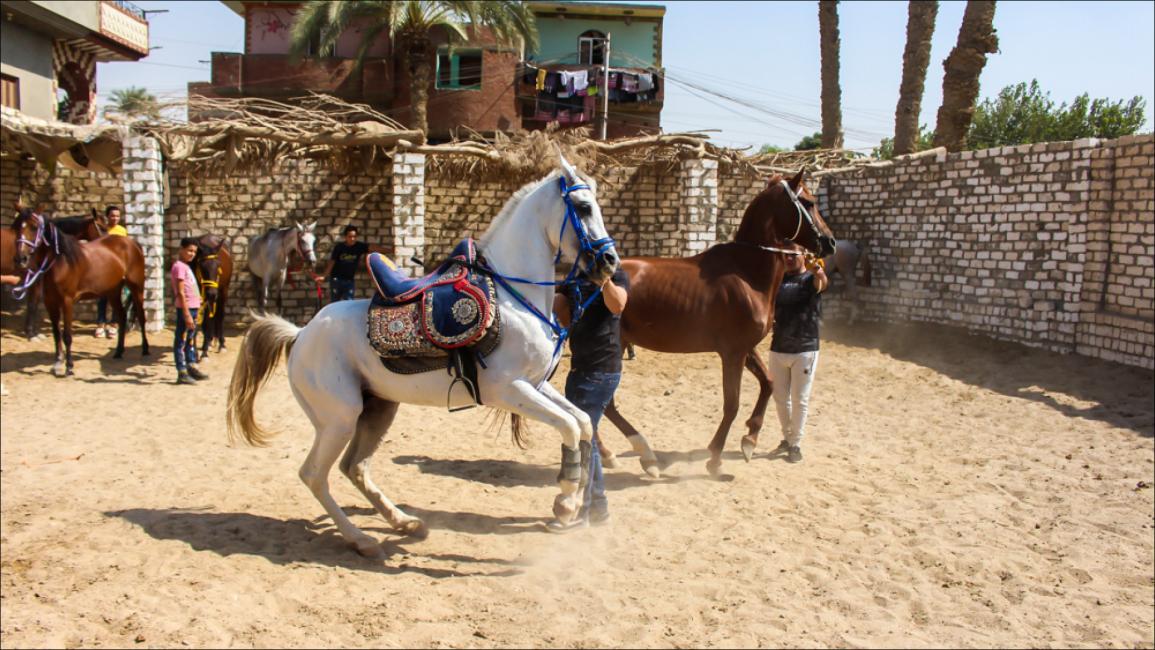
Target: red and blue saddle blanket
{"points": [[445, 320]]}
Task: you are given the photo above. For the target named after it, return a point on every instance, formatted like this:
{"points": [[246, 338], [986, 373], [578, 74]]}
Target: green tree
{"points": [[410, 25], [771, 148], [1024, 113], [924, 140], [134, 103], [810, 142]]}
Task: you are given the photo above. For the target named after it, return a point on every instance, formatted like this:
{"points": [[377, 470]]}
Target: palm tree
{"points": [[915, 59], [960, 84], [410, 25], [133, 102], [831, 91]]}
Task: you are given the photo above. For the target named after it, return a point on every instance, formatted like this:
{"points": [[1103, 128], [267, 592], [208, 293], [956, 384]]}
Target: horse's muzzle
{"points": [[605, 265], [826, 245]]}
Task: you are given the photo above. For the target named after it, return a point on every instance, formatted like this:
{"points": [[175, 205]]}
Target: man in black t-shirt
{"points": [[595, 342], [794, 348], [343, 264]]}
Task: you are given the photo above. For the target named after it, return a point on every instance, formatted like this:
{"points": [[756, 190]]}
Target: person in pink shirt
{"points": [[187, 298]]}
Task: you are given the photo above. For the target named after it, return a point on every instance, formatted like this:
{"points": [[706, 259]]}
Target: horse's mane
{"points": [[511, 206], [66, 245], [69, 224]]}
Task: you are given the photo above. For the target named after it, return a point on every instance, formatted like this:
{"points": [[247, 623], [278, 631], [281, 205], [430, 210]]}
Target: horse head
{"points": [[207, 265], [581, 235], [787, 212], [29, 228], [306, 241]]}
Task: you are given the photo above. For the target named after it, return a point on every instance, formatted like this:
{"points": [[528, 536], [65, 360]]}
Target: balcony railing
{"points": [[130, 8]]}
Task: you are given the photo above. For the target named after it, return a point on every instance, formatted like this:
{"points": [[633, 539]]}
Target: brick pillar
{"points": [[144, 219], [699, 204], [409, 210]]}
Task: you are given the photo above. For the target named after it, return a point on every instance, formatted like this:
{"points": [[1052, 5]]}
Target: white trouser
{"points": [[792, 375]]}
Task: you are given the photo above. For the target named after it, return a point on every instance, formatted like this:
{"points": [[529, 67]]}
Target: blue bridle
{"points": [[595, 248]]}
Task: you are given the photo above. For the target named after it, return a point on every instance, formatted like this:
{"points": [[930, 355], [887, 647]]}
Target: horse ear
{"points": [[569, 170], [796, 182], [311, 225]]}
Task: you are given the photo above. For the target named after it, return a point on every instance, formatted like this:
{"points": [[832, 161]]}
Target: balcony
{"points": [[125, 24], [632, 112], [276, 76]]}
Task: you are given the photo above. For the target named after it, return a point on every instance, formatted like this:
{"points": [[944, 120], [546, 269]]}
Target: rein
{"points": [[207, 284], [803, 213], [595, 248]]}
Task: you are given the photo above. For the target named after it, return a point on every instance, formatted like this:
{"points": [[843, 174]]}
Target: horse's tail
{"points": [[267, 339], [866, 269], [519, 429]]}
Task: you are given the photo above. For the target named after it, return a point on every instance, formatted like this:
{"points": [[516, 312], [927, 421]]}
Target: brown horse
{"points": [[70, 270], [722, 301], [214, 270], [84, 227]]}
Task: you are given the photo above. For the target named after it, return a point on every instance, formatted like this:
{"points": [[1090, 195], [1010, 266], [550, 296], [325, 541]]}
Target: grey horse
{"points": [[269, 258], [844, 261]]}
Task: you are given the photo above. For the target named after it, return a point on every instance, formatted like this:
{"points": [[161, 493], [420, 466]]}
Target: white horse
{"points": [[350, 397], [269, 257]]}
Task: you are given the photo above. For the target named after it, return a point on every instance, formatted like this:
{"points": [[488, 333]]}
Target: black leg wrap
{"points": [[586, 450], [571, 464]]}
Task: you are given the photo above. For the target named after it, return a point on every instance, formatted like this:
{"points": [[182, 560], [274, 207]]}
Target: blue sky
{"points": [[766, 53]]}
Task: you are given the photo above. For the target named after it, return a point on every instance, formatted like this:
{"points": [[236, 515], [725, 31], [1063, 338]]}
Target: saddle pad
{"points": [[395, 334]]}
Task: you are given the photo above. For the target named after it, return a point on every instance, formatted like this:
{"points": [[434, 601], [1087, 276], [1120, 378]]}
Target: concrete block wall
{"points": [[246, 205], [143, 215], [1000, 242]]}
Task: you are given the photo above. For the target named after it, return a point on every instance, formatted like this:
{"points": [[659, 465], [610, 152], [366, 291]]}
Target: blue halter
{"points": [[596, 249]]}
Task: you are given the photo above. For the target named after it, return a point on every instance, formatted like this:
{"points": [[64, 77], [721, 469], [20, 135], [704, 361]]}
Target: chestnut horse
{"points": [[84, 227], [721, 300], [70, 270], [213, 267]]}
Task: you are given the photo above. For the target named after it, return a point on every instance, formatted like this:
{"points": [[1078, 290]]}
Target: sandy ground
{"points": [[955, 492]]}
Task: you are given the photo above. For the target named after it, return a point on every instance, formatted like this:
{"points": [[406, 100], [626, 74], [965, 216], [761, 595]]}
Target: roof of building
{"points": [[570, 8]]}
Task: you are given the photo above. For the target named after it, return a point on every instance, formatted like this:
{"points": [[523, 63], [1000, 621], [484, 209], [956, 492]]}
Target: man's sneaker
{"points": [[195, 373], [556, 526], [599, 517], [99, 332], [781, 448], [110, 333], [183, 377], [794, 454]]}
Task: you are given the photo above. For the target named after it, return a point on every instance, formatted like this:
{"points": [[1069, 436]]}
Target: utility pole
{"points": [[605, 89]]}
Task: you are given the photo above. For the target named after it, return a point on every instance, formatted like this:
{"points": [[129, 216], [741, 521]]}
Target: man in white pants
{"points": [[794, 348]]}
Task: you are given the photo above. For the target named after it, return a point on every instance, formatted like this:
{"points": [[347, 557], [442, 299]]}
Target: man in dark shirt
{"points": [[794, 348], [595, 342], [343, 264]]}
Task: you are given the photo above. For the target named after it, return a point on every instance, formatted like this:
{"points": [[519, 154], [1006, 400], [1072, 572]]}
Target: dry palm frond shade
{"points": [[224, 136]]}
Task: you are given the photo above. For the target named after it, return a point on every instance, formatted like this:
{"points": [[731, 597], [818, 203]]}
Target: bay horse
{"points": [[213, 267], [270, 256], [83, 227], [844, 261], [722, 301], [351, 398], [70, 270]]}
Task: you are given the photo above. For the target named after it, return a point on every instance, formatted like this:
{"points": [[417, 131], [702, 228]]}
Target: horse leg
{"points": [[206, 329], [584, 423], [54, 317], [520, 397], [137, 292], [646, 454], [334, 431], [731, 392], [121, 318], [260, 292], [757, 367], [280, 293], [32, 311], [372, 425], [66, 334], [219, 318]]}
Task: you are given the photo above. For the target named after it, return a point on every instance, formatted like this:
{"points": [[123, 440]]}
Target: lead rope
{"points": [[30, 277]]}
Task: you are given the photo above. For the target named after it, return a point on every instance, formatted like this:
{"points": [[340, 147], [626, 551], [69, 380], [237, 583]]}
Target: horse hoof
{"points": [[118, 355], [651, 468], [369, 548], [414, 528], [714, 467], [59, 371], [748, 445], [564, 508], [610, 462], [145, 353]]}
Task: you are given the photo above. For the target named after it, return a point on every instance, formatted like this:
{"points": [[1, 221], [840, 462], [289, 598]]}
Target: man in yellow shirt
{"points": [[112, 221]]}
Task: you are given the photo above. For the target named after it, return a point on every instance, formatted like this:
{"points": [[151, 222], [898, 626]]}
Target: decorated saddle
{"points": [[445, 320]]}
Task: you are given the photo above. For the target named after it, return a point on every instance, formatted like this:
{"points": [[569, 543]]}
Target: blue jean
{"points": [[184, 348], [102, 311], [591, 392], [340, 289]]}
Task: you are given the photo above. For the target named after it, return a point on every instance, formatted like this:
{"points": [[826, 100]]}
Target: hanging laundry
{"points": [[565, 84], [541, 75], [615, 80], [645, 82], [580, 82], [629, 83], [552, 81]]}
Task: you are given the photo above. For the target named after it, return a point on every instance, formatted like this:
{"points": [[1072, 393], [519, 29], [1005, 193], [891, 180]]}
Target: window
{"points": [[10, 91], [592, 48], [460, 70]]}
